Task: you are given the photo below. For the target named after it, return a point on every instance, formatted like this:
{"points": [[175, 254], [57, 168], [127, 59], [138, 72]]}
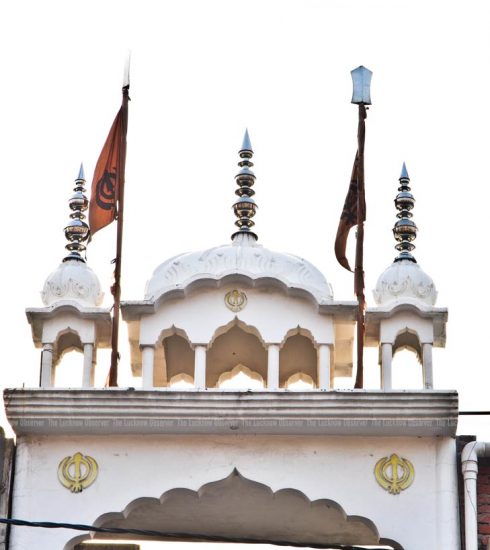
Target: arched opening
{"points": [[235, 347], [174, 357], [68, 360], [181, 381], [407, 361], [239, 509], [298, 355], [300, 381], [241, 378]]}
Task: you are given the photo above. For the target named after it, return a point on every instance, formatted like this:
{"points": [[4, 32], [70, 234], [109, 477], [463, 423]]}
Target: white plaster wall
{"points": [[390, 328], [269, 310], [84, 328], [337, 468]]}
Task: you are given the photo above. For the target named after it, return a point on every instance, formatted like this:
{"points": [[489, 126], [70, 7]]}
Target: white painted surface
{"points": [[273, 367], [148, 355], [405, 281], [201, 314], [337, 468], [243, 255]]}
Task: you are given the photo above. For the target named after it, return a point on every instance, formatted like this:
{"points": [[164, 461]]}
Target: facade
{"points": [[288, 458]]}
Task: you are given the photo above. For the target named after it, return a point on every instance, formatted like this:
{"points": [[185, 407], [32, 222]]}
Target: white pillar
{"points": [[427, 366], [47, 366], [386, 361], [323, 366], [200, 367], [273, 367], [88, 366], [147, 365], [469, 466], [447, 516]]}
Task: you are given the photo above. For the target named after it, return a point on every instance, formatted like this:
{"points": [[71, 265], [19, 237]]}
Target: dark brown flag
{"points": [[354, 212], [109, 173]]}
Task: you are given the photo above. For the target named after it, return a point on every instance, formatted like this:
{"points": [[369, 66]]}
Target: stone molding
{"points": [[130, 411]]}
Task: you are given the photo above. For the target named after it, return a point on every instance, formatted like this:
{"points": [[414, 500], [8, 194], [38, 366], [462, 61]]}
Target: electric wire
{"points": [[172, 535]]}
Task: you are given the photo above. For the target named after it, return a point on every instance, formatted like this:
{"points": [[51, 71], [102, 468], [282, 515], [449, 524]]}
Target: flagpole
{"points": [[359, 266], [116, 287], [361, 79]]}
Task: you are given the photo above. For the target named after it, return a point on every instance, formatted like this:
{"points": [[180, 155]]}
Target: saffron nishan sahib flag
{"points": [[109, 174]]}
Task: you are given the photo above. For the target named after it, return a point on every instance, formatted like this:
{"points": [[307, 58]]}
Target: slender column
{"points": [[470, 475], [147, 360], [323, 366], [386, 360], [427, 366], [200, 367], [273, 367], [88, 364], [47, 366]]}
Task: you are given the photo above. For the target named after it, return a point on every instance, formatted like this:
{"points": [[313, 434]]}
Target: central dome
{"points": [[243, 256]]}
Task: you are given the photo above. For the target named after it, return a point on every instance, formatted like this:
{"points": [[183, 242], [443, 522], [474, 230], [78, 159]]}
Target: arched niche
{"points": [[173, 357], [241, 510], [67, 359], [232, 345], [298, 355], [300, 381], [241, 377], [407, 367], [181, 381]]}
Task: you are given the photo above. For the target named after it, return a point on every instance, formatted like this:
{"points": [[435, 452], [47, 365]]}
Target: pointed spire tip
{"points": [[246, 144], [81, 172], [404, 173]]}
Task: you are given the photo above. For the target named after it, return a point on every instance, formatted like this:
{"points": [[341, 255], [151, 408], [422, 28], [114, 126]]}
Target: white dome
{"points": [[242, 256], [405, 281], [73, 280]]}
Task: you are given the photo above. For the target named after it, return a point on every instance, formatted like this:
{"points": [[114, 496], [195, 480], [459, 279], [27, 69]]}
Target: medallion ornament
{"points": [[394, 474], [235, 300], [77, 472]]}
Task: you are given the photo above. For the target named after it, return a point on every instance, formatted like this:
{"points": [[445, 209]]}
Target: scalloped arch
{"points": [[244, 510]]}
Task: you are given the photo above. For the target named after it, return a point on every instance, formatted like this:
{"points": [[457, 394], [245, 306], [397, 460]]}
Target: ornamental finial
{"points": [[245, 207], [404, 230], [361, 85], [77, 231]]}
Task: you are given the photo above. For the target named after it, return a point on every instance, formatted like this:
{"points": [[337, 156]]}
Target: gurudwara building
{"points": [[289, 459]]}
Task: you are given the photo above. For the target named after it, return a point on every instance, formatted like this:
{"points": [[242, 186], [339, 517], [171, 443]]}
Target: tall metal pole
{"points": [[116, 287], [361, 78], [359, 265]]}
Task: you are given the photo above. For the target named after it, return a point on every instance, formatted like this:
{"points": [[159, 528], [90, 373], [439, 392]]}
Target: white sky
{"points": [[201, 72]]}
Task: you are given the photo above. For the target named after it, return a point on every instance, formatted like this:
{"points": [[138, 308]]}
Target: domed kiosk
{"points": [[406, 316], [276, 304], [71, 318]]}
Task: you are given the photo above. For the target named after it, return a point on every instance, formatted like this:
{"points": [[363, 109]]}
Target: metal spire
{"points": [[77, 231], [404, 230], [245, 207]]}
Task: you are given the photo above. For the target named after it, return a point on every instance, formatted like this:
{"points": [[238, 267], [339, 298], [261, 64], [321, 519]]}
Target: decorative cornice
{"points": [[116, 411]]}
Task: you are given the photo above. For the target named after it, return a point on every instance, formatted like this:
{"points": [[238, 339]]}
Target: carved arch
{"points": [[242, 510]]}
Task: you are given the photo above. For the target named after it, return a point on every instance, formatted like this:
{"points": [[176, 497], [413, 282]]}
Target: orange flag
{"points": [[109, 172]]}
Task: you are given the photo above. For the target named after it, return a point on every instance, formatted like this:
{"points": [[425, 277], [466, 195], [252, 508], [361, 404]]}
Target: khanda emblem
{"points": [[105, 193], [235, 300], [394, 474], [77, 472]]}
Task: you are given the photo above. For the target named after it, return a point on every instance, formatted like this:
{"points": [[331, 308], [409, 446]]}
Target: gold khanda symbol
{"points": [[235, 300], [77, 472], [394, 474]]}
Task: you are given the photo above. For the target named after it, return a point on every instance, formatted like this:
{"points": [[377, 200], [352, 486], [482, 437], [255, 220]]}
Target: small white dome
{"points": [[73, 280], [242, 256], [405, 281]]}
